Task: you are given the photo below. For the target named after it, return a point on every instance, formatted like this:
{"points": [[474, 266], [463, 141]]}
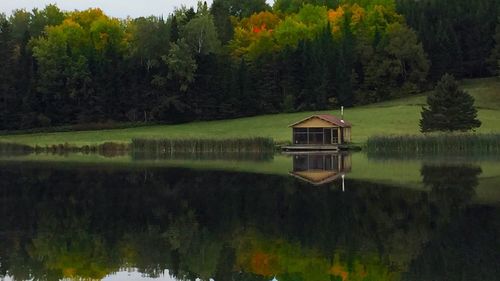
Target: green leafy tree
{"points": [[78, 67], [51, 15], [150, 39], [52, 60], [409, 64], [396, 65], [201, 35], [242, 9], [182, 66], [292, 6], [20, 21], [449, 109]]}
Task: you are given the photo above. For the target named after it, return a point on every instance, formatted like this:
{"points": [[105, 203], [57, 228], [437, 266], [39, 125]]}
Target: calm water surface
{"points": [[301, 217]]}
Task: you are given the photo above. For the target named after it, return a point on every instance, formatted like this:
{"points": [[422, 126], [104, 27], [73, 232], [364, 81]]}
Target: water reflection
{"points": [[93, 223], [320, 168]]}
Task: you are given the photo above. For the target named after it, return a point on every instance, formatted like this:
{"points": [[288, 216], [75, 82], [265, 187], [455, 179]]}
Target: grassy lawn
{"points": [[393, 117]]}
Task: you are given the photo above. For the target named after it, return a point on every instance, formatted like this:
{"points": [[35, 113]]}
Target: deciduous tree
{"points": [[201, 35], [181, 64]]}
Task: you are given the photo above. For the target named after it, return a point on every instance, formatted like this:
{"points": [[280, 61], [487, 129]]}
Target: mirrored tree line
{"points": [[90, 222]]}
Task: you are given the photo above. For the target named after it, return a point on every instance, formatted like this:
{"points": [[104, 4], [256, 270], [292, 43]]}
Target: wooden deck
{"points": [[304, 147]]}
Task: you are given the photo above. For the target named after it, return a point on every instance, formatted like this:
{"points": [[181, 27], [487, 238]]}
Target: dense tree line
{"points": [[458, 35], [232, 59]]}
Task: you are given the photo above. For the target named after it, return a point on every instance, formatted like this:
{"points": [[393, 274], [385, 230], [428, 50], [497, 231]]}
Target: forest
{"points": [[235, 58]]}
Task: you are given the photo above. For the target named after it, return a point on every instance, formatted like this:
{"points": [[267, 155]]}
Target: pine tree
{"points": [[7, 91], [346, 64], [174, 30], [495, 53], [449, 109]]}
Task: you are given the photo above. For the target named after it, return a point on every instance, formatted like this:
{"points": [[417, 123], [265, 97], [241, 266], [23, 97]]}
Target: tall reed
{"points": [[435, 143], [159, 148]]}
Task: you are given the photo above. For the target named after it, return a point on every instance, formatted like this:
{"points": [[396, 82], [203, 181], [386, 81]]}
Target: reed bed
{"points": [[201, 148], [435, 143], [108, 149]]}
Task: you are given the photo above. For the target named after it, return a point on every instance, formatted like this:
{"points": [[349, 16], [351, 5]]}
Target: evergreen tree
{"points": [[7, 93], [174, 29], [222, 21], [346, 64], [449, 109], [495, 53]]}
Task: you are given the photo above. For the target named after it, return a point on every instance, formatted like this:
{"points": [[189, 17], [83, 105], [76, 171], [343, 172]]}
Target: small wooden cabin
{"points": [[322, 131]]}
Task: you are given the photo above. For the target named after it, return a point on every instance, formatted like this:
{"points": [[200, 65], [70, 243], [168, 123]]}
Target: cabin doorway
{"points": [[335, 136]]}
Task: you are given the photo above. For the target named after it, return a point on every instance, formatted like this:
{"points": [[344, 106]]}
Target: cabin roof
{"points": [[328, 118]]}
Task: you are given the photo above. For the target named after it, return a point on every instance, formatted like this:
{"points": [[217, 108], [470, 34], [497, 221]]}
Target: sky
{"points": [[114, 8]]}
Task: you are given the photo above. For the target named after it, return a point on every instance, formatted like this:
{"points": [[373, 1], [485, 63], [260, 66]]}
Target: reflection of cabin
{"points": [[320, 168], [320, 132]]}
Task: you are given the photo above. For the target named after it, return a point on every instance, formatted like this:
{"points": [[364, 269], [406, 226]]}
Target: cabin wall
{"points": [[347, 135]]}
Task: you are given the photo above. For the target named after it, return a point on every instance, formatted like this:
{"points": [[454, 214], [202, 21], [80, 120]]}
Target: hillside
{"points": [[393, 117]]}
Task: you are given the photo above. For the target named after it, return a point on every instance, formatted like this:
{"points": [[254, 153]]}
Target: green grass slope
{"points": [[393, 117]]}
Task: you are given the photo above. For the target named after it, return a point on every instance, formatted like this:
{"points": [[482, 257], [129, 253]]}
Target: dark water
{"points": [[88, 222]]}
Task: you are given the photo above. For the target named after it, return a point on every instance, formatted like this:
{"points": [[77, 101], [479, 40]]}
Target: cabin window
{"points": [[316, 136], [300, 163], [299, 136], [328, 136], [315, 162]]}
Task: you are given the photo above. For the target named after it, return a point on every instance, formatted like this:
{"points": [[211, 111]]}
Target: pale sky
{"points": [[114, 8]]}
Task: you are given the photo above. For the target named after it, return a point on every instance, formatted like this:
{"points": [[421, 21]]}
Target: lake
{"points": [[281, 217]]}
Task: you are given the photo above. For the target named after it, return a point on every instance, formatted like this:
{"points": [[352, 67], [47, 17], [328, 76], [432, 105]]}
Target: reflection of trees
{"points": [[89, 222], [75, 252], [466, 250], [452, 186], [465, 247]]}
